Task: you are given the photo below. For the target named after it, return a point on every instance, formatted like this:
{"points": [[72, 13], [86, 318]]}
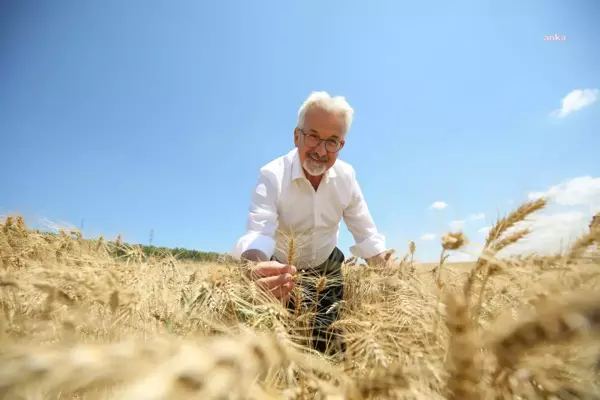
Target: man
{"points": [[305, 194]]}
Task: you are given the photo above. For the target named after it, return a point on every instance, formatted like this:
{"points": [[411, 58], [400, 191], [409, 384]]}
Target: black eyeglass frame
{"points": [[338, 143]]}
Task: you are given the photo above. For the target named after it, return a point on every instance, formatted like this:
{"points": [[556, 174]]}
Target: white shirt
{"points": [[284, 201]]}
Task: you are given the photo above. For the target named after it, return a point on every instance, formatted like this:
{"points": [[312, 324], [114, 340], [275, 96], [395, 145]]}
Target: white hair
{"points": [[323, 101]]}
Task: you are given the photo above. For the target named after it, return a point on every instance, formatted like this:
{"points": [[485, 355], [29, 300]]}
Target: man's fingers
{"points": [[279, 286], [273, 268], [283, 292], [272, 282]]}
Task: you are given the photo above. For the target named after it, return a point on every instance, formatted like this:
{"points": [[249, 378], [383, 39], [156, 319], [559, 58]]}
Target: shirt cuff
{"points": [[254, 241], [371, 246]]}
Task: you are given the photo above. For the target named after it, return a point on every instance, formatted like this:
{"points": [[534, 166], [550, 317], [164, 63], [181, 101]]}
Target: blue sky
{"points": [[157, 115]]}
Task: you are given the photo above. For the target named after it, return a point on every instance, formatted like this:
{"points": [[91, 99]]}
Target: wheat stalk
{"points": [[78, 322], [463, 380]]}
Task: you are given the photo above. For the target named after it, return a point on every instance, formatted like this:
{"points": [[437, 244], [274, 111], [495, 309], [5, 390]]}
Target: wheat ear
{"points": [[463, 376], [494, 244], [582, 244], [553, 322]]}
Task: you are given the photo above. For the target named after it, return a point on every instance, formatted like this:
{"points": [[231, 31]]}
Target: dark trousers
{"points": [[326, 301]]}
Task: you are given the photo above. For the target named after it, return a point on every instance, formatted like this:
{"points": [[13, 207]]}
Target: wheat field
{"points": [[91, 319]]}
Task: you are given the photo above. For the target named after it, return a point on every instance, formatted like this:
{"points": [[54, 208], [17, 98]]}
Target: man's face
{"points": [[319, 124]]}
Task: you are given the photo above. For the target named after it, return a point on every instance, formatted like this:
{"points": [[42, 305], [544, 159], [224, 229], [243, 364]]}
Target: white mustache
{"points": [[316, 157]]}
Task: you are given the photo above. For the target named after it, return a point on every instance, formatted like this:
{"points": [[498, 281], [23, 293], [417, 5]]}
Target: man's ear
{"points": [[296, 137]]}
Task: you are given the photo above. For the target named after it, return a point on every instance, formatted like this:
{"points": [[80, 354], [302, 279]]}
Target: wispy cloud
{"points": [[439, 205], [457, 257], [576, 100], [484, 230], [571, 205], [469, 253], [577, 191], [549, 232], [459, 224]]}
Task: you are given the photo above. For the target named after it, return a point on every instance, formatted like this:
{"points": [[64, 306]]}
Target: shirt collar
{"points": [[298, 173]]}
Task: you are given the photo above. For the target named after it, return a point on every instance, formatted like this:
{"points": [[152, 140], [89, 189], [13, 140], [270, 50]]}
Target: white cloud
{"points": [[439, 205], [475, 217], [571, 205], [457, 257], [469, 253], [550, 232], [576, 100], [577, 191], [459, 224]]}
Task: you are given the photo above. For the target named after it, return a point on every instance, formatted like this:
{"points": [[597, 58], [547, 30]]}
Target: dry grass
{"points": [[78, 323]]}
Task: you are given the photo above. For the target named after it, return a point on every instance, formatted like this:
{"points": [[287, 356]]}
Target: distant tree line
{"points": [[183, 254], [177, 252]]}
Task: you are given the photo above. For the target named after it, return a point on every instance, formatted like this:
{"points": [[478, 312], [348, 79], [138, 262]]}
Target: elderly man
{"points": [[304, 194]]}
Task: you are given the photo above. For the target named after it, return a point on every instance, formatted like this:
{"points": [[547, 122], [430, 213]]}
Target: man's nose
{"points": [[321, 151]]}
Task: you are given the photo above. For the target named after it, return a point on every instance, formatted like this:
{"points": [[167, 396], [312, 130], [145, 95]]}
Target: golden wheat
{"points": [[91, 319]]}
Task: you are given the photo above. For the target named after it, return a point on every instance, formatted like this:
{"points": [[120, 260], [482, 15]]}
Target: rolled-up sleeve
{"points": [[369, 242], [262, 218]]}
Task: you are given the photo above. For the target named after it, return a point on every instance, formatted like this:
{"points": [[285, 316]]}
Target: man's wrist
{"points": [[254, 255], [377, 259], [249, 258]]}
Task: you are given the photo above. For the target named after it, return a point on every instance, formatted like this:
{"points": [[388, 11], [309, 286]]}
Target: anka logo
{"points": [[555, 38]]}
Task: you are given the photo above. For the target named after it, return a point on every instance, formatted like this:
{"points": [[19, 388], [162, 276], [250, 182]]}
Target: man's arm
{"points": [[258, 242], [370, 244]]}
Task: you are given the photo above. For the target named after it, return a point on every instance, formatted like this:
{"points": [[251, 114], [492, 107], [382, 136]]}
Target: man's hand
{"points": [[381, 259], [275, 278]]}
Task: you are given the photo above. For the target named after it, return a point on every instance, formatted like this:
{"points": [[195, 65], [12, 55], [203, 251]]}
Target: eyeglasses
{"points": [[312, 140]]}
